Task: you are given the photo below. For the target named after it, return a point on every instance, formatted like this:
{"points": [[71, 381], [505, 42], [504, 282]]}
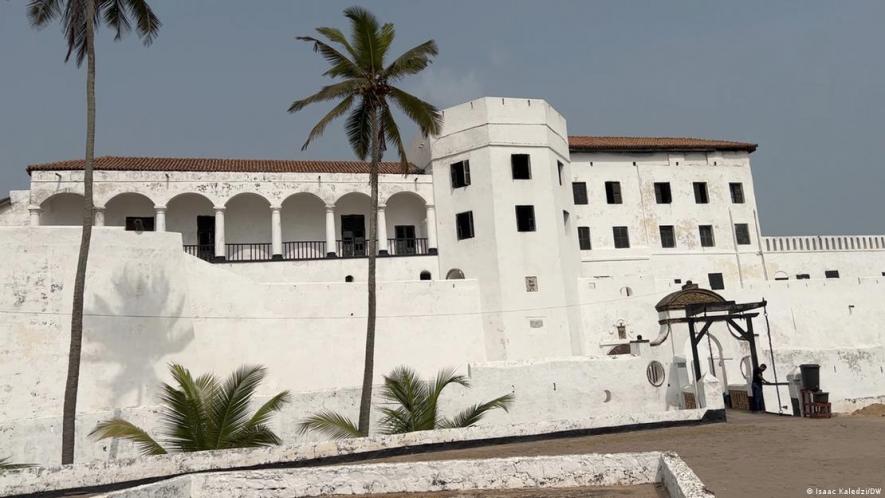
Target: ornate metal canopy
{"points": [[689, 295]]}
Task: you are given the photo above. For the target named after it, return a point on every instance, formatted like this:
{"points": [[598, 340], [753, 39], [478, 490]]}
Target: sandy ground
{"points": [[750, 455]]}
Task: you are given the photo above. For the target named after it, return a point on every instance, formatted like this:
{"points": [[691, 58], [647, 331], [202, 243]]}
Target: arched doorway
{"points": [[352, 213], [247, 228], [405, 214], [130, 210], [303, 226], [192, 215], [64, 209]]}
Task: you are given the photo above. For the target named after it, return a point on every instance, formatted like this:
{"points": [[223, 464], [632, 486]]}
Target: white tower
{"points": [[504, 209]]}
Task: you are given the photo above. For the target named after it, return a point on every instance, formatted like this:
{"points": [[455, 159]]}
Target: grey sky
{"points": [[805, 80]]}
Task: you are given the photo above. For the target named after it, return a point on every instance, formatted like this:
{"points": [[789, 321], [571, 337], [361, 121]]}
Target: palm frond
{"points": [[396, 421], [119, 428], [185, 409], [471, 415], [344, 88], [335, 35], [332, 424], [262, 416], [115, 16], [364, 27], [341, 65], [229, 408], [425, 115], [42, 12], [412, 61], [359, 128], [147, 24], [6, 464], [320, 127], [391, 132], [74, 19], [255, 437]]}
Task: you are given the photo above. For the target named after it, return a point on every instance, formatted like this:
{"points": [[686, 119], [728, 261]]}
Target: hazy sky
{"points": [[803, 79]]}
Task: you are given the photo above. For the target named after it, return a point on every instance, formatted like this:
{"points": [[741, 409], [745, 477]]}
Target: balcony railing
{"points": [[303, 250]]}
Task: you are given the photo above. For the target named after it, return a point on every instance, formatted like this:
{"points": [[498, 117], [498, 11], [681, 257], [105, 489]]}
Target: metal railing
{"points": [[253, 251], [308, 249], [825, 243], [204, 251], [351, 248], [407, 247]]}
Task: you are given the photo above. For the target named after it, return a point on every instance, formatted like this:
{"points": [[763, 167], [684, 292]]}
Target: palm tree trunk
{"points": [[68, 435], [369, 363]]}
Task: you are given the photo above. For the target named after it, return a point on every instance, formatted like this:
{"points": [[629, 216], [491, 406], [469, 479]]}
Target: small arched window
{"points": [[425, 275], [348, 278], [455, 274]]}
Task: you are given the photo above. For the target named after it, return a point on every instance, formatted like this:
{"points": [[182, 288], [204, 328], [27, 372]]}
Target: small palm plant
{"points": [[413, 405], [203, 414]]}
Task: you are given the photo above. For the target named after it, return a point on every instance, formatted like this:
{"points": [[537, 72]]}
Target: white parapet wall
{"points": [[98, 474]]}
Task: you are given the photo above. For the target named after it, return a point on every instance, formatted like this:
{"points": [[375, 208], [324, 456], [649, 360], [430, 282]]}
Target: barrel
{"points": [[810, 376]]}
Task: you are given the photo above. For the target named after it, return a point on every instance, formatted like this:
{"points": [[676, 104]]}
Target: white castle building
{"points": [[528, 257]]}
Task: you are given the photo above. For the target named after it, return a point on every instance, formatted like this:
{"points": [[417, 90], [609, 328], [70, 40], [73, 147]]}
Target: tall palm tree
{"points": [[79, 19], [203, 414], [365, 86], [413, 405]]}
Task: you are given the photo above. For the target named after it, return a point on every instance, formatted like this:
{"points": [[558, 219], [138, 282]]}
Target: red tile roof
{"points": [[111, 163], [635, 144]]}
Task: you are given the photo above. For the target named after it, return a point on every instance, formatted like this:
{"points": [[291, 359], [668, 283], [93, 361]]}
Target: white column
{"points": [[219, 234], [382, 230], [160, 221], [276, 232], [98, 216], [330, 231], [431, 229], [34, 215]]}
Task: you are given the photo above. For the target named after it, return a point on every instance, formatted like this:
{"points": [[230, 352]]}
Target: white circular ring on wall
{"points": [[746, 367], [655, 373]]}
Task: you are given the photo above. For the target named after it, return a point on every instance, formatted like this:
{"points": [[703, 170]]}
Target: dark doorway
{"points": [[205, 237], [140, 223], [405, 242], [353, 235]]}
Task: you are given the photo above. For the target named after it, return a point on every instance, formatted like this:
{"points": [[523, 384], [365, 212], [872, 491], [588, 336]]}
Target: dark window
{"points": [[700, 193], [613, 192], [519, 163], [622, 237], [707, 238], [742, 233], [464, 225], [662, 193], [716, 282], [803, 276], [525, 218], [737, 192], [460, 174], [425, 275], [559, 171], [668, 236], [831, 273], [348, 278], [579, 190], [584, 238], [140, 223]]}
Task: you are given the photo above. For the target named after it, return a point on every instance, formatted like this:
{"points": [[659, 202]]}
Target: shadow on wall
{"points": [[134, 326]]}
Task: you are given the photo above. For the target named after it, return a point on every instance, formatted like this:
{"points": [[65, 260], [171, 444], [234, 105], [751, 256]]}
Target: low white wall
{"points": [[850, 264], [149, 304]]}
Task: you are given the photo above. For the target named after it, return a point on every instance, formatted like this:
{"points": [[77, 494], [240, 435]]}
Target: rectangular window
{"points": [[584, 238], [579, 190], [803, 276], [831, 273], [707, 238], [559, 171], [716, 282], [622, 237], [737, 192], [742, 234], [525, 218], [662, 193], [460, 174], [140, 223], [520, 165], [668, 236], [700, 193], [464, 225], [613, 192]]}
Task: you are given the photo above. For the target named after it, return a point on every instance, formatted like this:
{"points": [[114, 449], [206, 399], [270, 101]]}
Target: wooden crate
{"points": [[689, 401], [739, 399]]}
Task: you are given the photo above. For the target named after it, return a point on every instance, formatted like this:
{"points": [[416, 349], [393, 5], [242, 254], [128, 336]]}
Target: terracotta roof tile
{"points": [[111, 163], [630, 144]]}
